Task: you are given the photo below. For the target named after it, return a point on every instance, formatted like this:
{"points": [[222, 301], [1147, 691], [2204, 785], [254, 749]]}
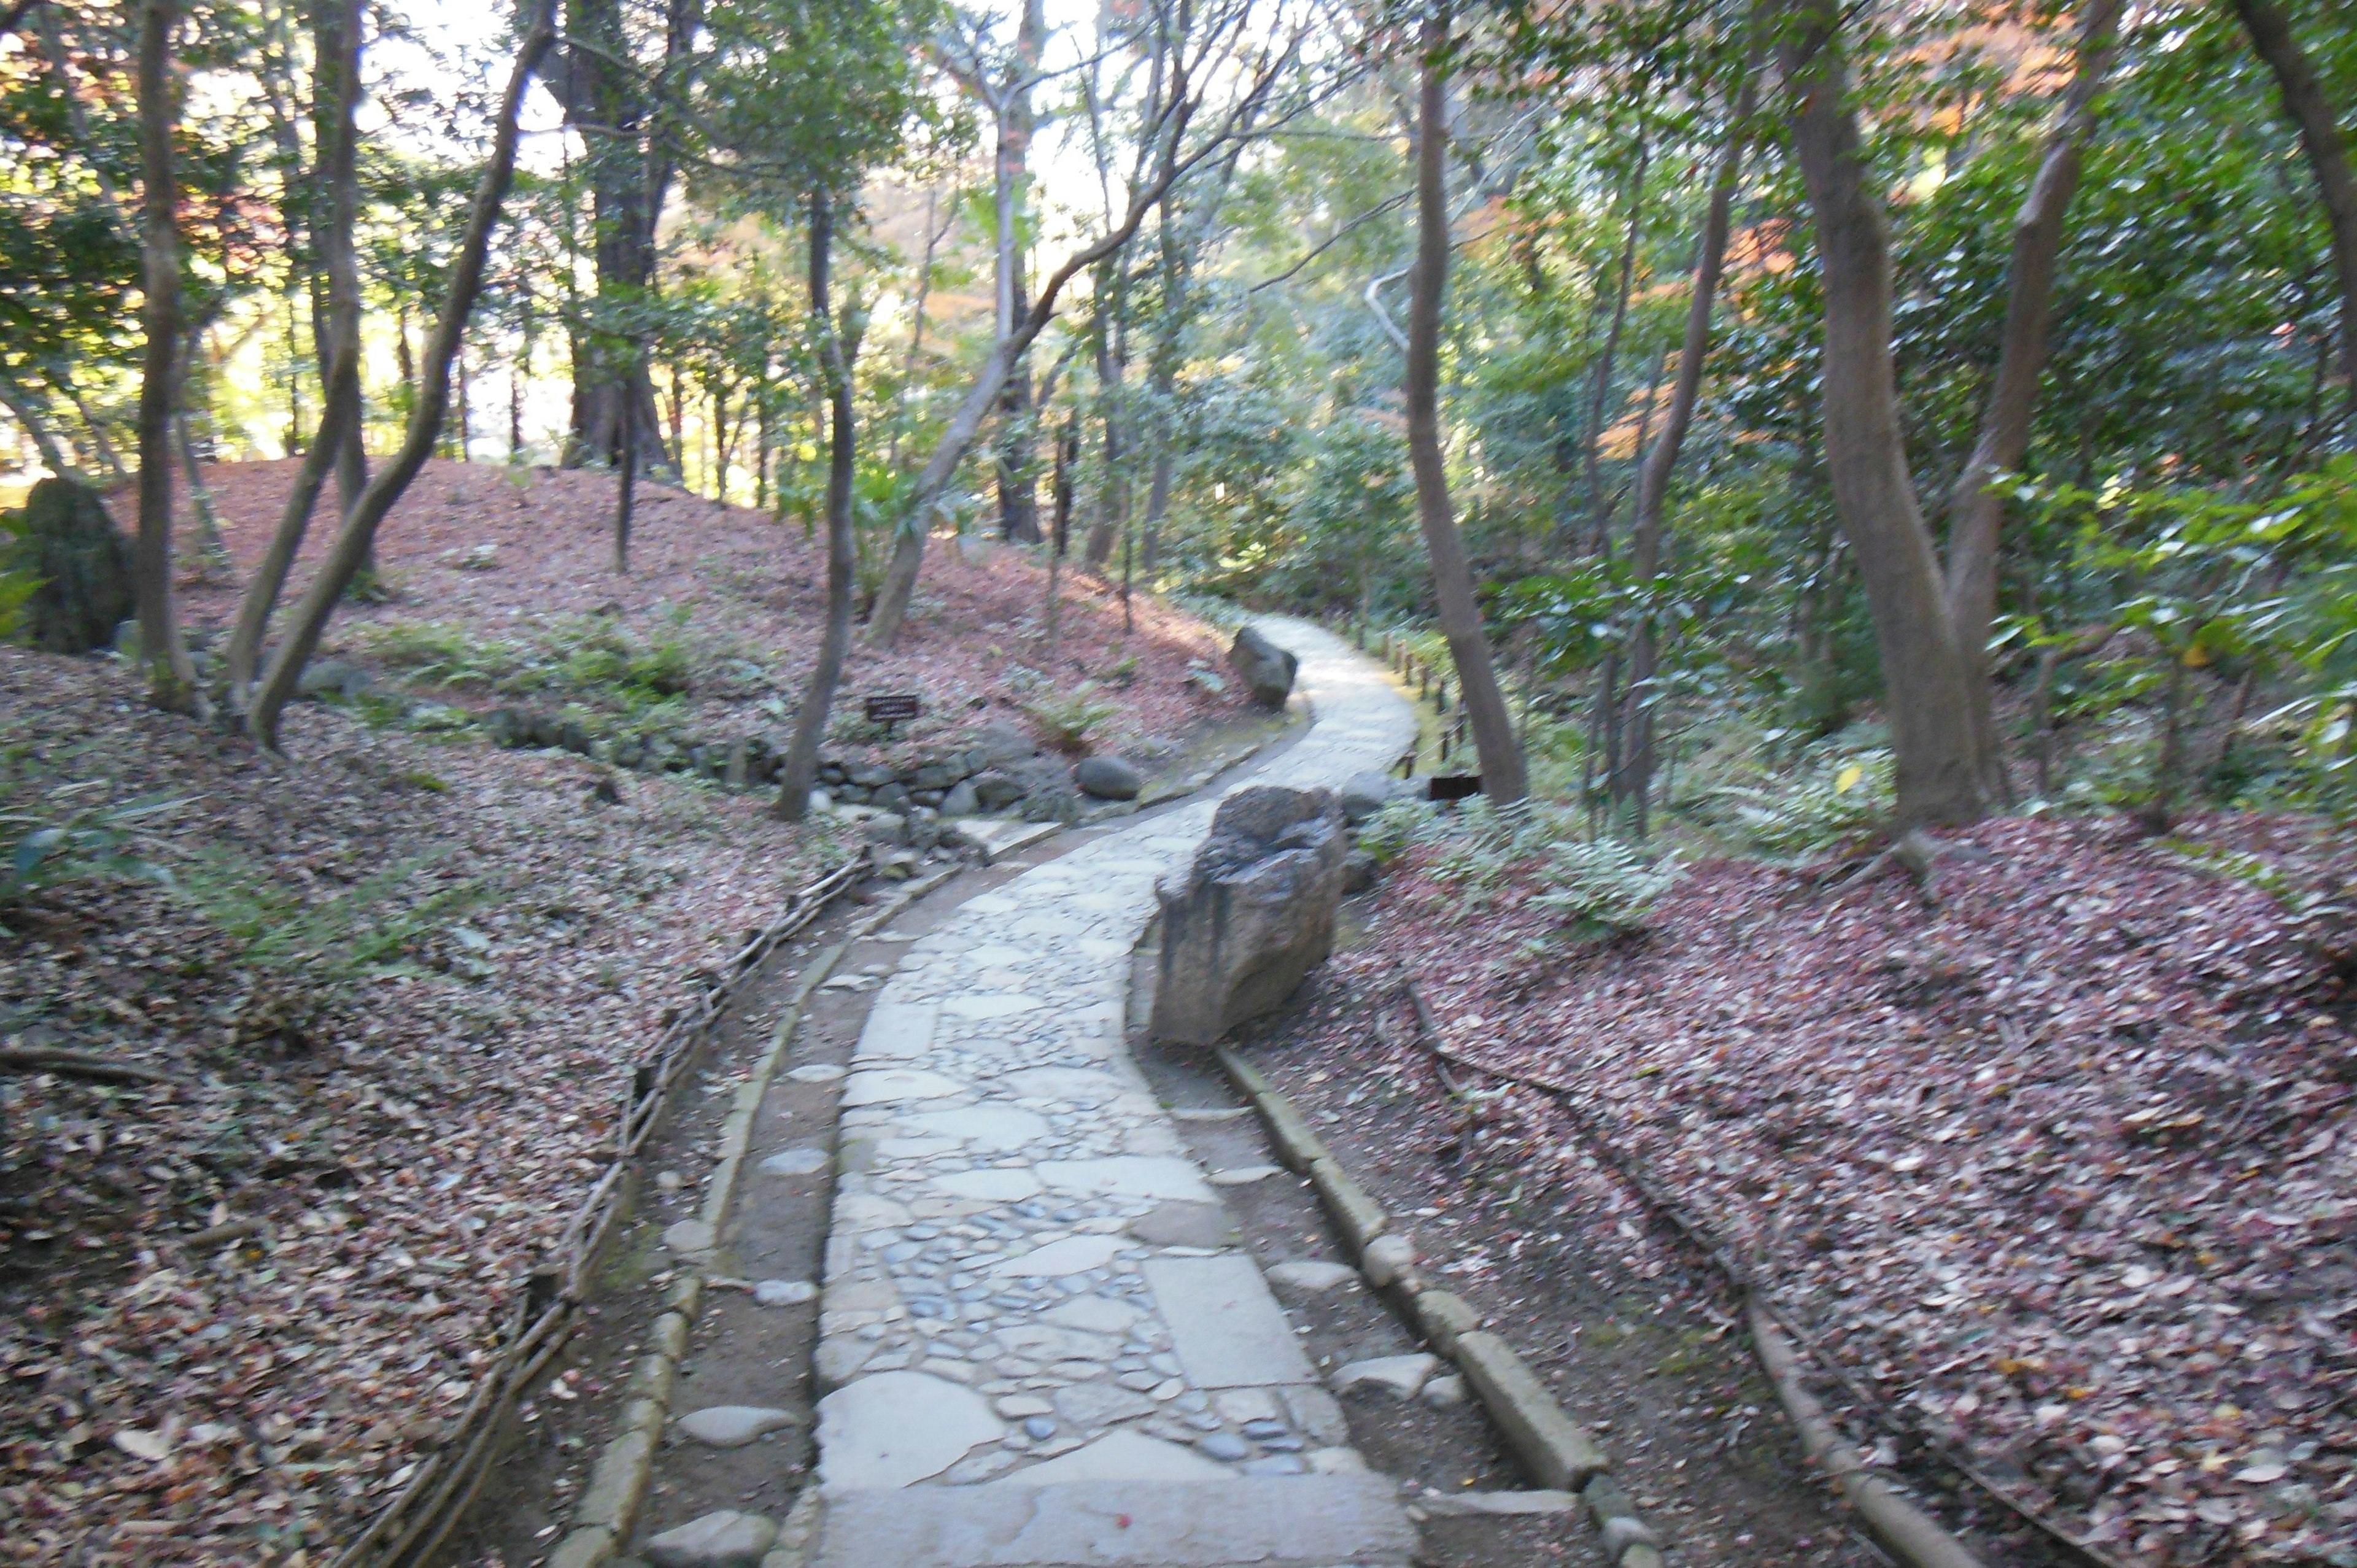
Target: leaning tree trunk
{"points": [[801, 770], [171, 675], [1631, 782], [1504, 777], [385, 491], [2328, 161], [1927, 680], [909, 542], [336, 35], [1977, 507]]}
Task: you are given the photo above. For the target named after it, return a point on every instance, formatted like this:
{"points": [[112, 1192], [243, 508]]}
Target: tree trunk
{"points": [[1599, 538], [353, 542], [908, 541], [1926, 678], [30, 415], [1059, 535], [626, 485], [604, 97], [336, 50], [1632, 783], [1977, 507], [171, 676], [1503, 775], [801, 770], [2327, 148]]}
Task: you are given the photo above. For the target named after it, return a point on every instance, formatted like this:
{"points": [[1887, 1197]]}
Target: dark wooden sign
{"points": [[1453, 787], [889, 708]]}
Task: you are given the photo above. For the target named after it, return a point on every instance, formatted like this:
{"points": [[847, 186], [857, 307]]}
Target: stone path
{"points": [[1043, 1348]]}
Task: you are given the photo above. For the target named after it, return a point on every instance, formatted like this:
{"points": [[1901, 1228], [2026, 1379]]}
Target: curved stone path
{"points": [[1042, 1348]]}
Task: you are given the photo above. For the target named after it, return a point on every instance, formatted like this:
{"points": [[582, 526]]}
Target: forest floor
{"points": [[390, 1137], [2058, 1167]]}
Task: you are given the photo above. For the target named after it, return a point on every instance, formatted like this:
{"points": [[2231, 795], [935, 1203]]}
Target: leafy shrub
{"points": [[1602, 889], [1068, 717], [439, 654], [1388, 834], [588, 657], [1828, 798]]}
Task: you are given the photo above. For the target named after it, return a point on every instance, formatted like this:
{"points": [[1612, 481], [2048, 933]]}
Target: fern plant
{"points": [[309, 955], [1603, 890], [53, 833]]}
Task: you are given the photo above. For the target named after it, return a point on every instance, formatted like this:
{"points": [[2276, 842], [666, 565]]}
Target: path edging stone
{"points": [[608, 1506], [1557, 1450]]}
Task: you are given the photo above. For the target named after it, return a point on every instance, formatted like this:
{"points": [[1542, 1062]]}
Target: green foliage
{"points": [[69, 832], [1068, 717], [590, 658], [56, 829], [316, 950], [1601, 890], [1828, 793]]}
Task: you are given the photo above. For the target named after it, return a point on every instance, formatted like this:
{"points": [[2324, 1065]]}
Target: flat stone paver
{"points": [[1039, 1348]]}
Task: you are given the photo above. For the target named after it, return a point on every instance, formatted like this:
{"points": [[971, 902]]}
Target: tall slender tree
{"points": [[171, 674], [837, 349], [336, 78], [2326, 147], [1505, 777], [1631, 782], [353, 541], [1927, 675], [1977, 507]]}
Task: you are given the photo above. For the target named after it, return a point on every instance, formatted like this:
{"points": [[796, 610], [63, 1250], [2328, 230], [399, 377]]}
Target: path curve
{"points": [[1042, 1347]]}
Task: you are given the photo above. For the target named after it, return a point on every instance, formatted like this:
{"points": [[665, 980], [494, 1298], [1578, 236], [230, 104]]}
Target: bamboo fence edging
{"points": [[627, 1462], [1783, 1375], [415, 1522]]}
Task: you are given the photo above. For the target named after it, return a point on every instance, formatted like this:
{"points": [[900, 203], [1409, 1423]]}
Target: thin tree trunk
{"points": [[2326, 147], [1059, 535], [28, 414], [353, 542], [336, 55], [209, 543], [171, 675], [909, 542], [1633, 786], [1503, 775], [1926, 678], [1976, 506], [626, 484], [107, 456], [801, 770], [1600, 531]]}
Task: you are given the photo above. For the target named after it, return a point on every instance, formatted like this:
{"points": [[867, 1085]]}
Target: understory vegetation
{"points": [[1863, 496]]}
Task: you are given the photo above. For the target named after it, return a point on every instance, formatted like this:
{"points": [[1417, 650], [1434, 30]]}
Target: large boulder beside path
{"points": [[1252, 915], [1266, 668]]}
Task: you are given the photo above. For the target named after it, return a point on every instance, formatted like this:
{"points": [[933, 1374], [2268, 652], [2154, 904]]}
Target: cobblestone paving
{"points": [[1029, 1281]]}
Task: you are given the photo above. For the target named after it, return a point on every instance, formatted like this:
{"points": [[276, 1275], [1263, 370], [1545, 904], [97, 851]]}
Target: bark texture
{"points": [[1977, 508], [358, 530], [171, 676], [607, 100], [801, 770], [1926, 677], [1631, 782], [1504, 777], [337, 44]]}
